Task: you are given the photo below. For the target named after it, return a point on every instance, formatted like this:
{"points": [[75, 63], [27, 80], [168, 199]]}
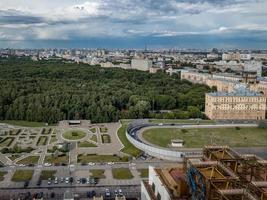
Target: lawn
{"points": [[105, 138], [197, 138], [183, 121], [46, 174], [57, 160], [97, 173], [143, 173], [22, 175], [94, 138], [121, 173], [42, 141], [93, 130], [2, 174], [82, 158], [74, 135], [86, 144], [103, 129], [128, 147], [23, 123], [29, 160], [53, 139], [6, 142]]}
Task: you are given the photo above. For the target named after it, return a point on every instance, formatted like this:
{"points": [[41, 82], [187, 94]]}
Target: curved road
{"points": [[135, 129]]}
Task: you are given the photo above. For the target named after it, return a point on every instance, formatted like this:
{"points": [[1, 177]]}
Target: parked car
{"points": [[39, 182], [67, 180], [107, 193], [49, 181]]}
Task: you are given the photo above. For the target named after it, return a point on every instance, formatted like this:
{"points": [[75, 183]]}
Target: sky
{"points": [[133, 24]]}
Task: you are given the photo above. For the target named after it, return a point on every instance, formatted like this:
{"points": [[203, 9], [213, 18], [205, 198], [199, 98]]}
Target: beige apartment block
{"points": [[259, 87], [221, 85], [235, 106], [194, 77]]}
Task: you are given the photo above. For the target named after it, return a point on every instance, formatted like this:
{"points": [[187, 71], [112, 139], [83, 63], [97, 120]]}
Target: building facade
{"points": [[164, 184], [141, 64], [241, 104]]}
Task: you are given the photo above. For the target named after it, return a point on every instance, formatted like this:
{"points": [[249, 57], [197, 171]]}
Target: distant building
{"points": [[195, 77], [141, 64], [164, 184], [236, 56], [154, 70], [241, 104], [253, 66]]}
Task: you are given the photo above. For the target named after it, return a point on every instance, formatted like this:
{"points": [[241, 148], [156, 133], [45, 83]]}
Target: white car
{"points": [[91, 163], [22, 165], [160, 124], [67, 180], [47, 164], [110, 163]]}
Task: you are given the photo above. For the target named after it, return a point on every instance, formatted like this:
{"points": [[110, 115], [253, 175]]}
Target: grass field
{"points": [[42, 141], [74, 135], [105, 138], [86, 144], [94, 138], [6, 142], [53, 139], [23, 123], [45, 174], [103, 129], [182, 121], [22, 175], [57, 160], [97, 173], [2, 174], [196, 138], [121, 173], [143, 173], [93, 130], [128, 147], [29, 160], [82, 158]]}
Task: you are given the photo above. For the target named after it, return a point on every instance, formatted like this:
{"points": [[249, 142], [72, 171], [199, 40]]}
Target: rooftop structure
{"points": [[221, 174]]}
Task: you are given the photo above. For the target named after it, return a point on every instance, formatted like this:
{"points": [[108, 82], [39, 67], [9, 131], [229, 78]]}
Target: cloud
{"points": [[79, 19]]}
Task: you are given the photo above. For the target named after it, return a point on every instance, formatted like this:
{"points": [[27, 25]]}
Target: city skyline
{"points": [[133, 24]]}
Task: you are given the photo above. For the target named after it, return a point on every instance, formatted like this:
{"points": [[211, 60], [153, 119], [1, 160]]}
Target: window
{"points": [[158, 196], [153, 187]]}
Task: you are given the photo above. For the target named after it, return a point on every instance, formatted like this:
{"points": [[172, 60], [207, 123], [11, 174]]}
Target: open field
{"points": [[29, 160], [22, 175], [128, 147], [97, 173], [57, 160], [45, 174], [182, 121], [84, 144], [74, 135], [97, 158], [121, 173], [196, 138]]}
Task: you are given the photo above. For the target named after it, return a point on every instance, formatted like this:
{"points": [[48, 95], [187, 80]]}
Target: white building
{"points": [[253, 66], [141, 64]]}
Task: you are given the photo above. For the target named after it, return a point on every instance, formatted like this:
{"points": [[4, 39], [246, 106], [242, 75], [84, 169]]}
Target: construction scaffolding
{"points": [[224, 174]]}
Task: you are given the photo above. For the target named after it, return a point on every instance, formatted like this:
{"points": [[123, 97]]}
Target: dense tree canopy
{"points": [[53, 90]]}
